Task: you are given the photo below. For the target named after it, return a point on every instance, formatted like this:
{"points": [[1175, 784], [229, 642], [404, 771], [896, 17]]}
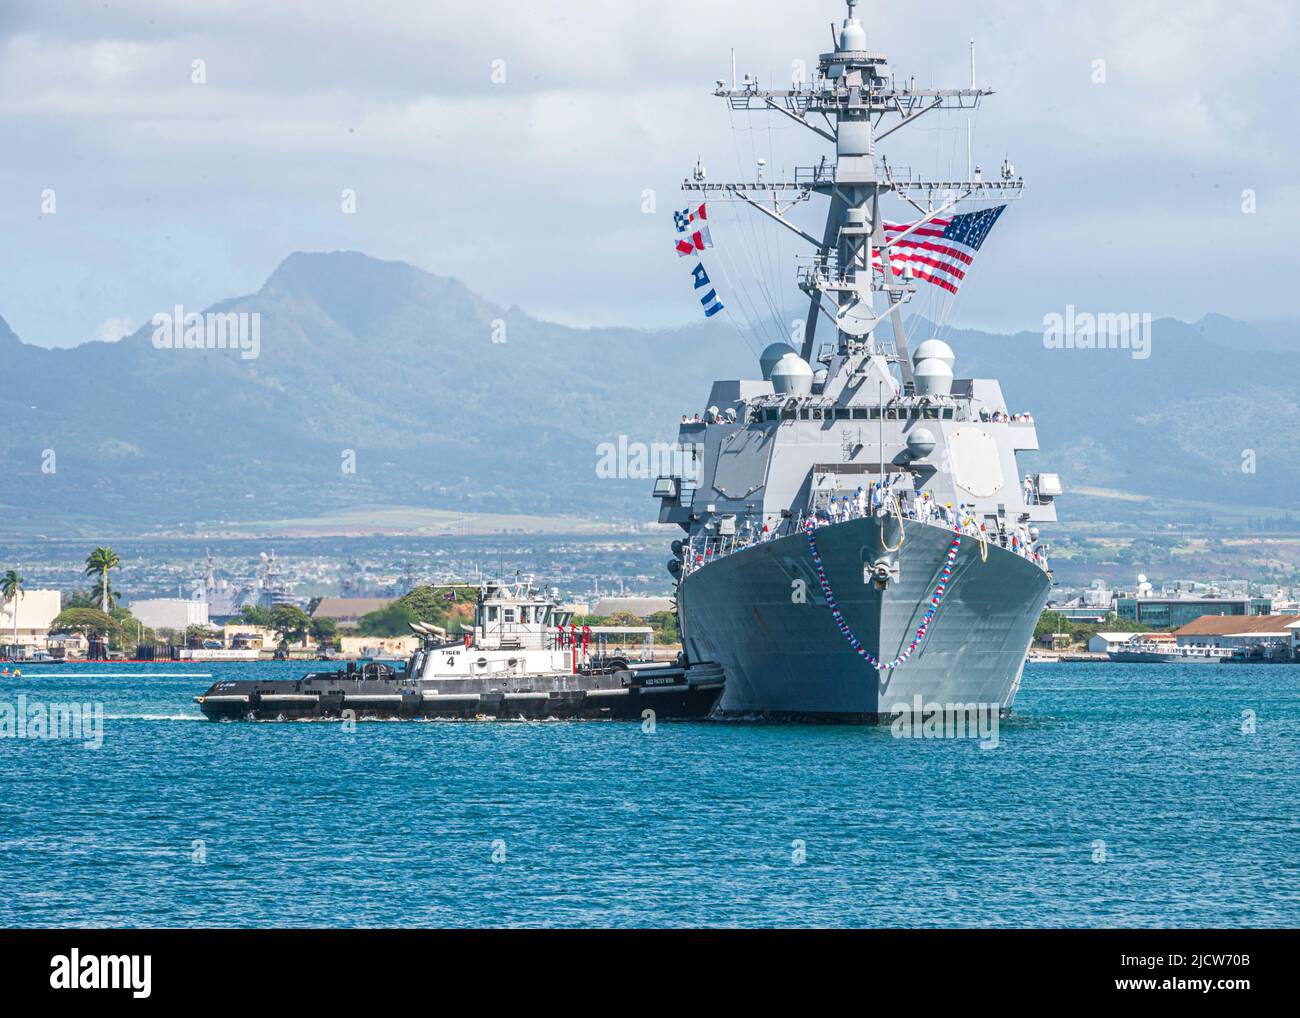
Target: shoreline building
{"points": [[1104, 643], [1171, 612], [36, 610], [640, 606], [347, 611], [1255, 636], [178, 613]]}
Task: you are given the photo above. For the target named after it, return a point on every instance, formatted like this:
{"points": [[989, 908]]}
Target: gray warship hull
{"points": [[761, 613]]}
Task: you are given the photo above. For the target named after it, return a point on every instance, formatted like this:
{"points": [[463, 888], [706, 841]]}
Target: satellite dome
{"points": [[767, 360], [934, 349], [792, 376], [920, 443], [933, 377], [852, 37], [820, 376]]}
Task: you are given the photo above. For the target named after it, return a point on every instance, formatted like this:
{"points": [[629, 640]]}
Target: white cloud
{"points": [[529, 191], [113, 329]]}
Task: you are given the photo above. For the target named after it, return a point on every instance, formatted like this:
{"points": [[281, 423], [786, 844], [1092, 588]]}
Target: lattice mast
{"points": [[855, 103]]}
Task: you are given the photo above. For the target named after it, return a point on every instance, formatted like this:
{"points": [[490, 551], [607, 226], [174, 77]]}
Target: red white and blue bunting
{"points": [[944, 576]]}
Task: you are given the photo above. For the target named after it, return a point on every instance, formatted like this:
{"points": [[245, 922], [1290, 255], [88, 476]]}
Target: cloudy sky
{"points": [[531, 190]]}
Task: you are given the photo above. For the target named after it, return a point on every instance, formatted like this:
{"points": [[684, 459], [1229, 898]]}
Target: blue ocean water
{"points": [[1119, 795]]}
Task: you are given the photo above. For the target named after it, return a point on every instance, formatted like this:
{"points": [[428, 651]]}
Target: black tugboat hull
{"points": [[668, 694]]}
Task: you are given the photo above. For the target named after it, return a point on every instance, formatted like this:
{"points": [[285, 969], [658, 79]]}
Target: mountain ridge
{"points": [[445, 400]]}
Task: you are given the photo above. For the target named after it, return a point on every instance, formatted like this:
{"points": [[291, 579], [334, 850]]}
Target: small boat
{"points": [[525, 658], [1140, 651], [36, 657]]}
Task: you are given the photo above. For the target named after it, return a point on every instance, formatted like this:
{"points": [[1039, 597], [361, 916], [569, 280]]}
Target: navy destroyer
{"points": [[859, 539], [524, 658]]}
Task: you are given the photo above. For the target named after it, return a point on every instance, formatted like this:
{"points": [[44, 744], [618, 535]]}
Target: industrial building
{"points": [[176, 613]]}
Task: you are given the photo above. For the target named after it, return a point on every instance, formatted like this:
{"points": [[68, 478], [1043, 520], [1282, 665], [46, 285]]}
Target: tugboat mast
{"points": [[855, 103]]}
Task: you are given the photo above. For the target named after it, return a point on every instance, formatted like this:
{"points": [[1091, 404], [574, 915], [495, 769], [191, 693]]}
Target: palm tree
{"points": [[98, 563], [11, 586]]}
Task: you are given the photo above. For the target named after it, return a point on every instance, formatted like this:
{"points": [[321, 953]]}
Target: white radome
{"points": [[792, 375], [934, 349]]}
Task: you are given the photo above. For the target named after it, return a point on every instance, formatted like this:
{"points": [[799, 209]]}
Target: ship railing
{"points": [[819, 275], [814, 176], [700, 550]]}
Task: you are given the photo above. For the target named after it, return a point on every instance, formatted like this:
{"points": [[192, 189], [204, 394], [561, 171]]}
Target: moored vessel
{"points": [[1145, 651]]}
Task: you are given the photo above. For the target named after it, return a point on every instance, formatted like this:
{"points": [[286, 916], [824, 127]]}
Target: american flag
{"points": [[941, 251]]}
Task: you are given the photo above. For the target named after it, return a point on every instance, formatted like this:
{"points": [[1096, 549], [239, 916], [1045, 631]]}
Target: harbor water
{"points": [[1117, 795]]}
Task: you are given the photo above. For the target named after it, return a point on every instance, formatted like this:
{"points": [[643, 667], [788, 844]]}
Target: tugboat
{"points": [[525, 658]]}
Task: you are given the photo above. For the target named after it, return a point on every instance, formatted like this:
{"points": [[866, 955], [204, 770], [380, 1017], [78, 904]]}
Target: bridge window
{"points": [[859, 413], [770, 414]]}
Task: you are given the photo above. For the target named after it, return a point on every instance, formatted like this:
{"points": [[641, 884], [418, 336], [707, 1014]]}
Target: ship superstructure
{"points": [[857, 494]]}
